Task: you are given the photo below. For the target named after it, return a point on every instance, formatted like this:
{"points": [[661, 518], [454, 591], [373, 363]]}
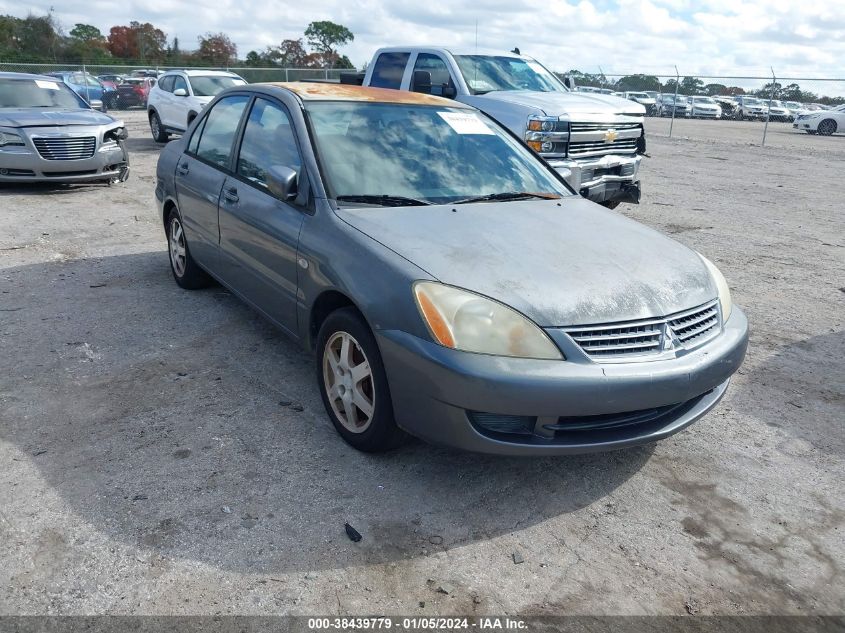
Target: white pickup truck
{"points": [[594, 141]]}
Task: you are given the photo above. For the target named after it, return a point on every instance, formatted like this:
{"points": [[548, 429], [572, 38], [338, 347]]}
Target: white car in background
{"points": [[645, 100], [821, 122], [705, 108], [778, 111], [180, 95]]}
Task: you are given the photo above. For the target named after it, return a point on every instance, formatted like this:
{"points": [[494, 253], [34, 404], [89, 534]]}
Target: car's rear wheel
{"points": [[353, 383], [186, 271], [826, 127], [157, 129]]}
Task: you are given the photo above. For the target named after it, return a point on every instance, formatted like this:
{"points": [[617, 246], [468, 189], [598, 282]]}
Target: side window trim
{"points": [[200, 129]]}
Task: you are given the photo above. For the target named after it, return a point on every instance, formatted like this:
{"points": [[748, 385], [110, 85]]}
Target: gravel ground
{"points": [[166, 452]]}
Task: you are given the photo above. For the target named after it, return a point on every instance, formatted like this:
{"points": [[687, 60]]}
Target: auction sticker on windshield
{"points": [[47, 85], [465, 123]]}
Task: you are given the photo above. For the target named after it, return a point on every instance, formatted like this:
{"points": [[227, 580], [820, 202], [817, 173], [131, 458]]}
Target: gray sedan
{"points": [[450, 283], [49, 133]]}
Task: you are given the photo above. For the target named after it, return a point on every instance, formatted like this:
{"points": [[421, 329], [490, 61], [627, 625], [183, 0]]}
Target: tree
{"points": [[216, 49], [137, 41], [691, 86], [86, 43], [638, 83], [715, 90], [325, 37]]}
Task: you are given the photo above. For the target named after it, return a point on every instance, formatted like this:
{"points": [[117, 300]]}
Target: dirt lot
{"points": [[147, 464]]}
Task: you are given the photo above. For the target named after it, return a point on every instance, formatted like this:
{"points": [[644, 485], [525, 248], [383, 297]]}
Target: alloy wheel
{"points": [[177, 247], [348, 380]]}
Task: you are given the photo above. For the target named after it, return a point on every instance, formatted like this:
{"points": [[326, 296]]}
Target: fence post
{"points": [[601, 74], [769, 109], [286, 75], [674, 101], [327, 73]]}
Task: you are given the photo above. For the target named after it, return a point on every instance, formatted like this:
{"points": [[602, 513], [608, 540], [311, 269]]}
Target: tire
{"points": [[111, 102], [826, 127], [185, 269], [610, 204], [346, 344], [157, 129]]}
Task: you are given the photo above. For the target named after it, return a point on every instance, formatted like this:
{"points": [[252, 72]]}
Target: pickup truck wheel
{"points": [[186, 271], [353, 383], [826, 127], [157, 129]]}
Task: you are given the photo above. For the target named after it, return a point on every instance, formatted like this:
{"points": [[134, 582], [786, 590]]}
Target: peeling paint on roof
{"points": [[313, 91]]}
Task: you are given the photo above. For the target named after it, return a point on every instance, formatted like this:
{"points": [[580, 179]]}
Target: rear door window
{"points": [[219, 130], [388, 70]]}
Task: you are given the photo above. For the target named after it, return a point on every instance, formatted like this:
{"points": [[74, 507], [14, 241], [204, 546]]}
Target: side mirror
{"points": [[422, 82], [180, 92], [281, 181], [449, 91], [97, 104]]}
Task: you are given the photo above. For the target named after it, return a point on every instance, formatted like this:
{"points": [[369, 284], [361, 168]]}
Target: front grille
{"points": [[75, 148], [683, 330], [599, 138], [601, 127], [600, 148], [696, 326], [611, 340]]}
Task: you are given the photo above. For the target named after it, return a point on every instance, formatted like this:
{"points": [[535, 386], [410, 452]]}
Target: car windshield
{"points": [[793, 104], [751, 101], [37, 93], [486, 73], [210, 85], [704, 100], [421, 154], [671, 98], [638, 95]]}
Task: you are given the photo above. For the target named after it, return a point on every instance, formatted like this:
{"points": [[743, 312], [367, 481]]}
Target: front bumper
{"points": [[603, 179], [109, 161], [438, 392]]}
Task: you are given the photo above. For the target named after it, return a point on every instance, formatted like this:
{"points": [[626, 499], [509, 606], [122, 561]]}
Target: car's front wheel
{"points": [[826, 127], [186, 271], [157, 129], [353, 383]]}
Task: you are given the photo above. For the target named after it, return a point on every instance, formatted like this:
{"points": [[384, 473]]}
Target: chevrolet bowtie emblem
{"points": [[610, 136]]}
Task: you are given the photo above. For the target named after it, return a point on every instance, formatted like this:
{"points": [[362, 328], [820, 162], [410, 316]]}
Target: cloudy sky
{"points": [[728, 37]]}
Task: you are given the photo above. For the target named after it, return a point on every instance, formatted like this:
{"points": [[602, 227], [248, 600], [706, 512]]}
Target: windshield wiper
{"points": [[508, 195], [384, 201]]}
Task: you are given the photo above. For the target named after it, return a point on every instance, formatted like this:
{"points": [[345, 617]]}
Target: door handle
{"points": [[182, 169], [230, 194]]}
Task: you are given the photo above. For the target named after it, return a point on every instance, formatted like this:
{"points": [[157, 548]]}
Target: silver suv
{"points": [[180, 95]]}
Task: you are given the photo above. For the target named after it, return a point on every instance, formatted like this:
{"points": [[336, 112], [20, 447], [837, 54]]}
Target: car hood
{"points": [[39, 117], [573, 264], [569, 103]]}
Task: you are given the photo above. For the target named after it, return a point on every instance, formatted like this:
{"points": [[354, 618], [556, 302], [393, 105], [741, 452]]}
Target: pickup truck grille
{"points": [[589, 139], [76, 148], [686, 330]]}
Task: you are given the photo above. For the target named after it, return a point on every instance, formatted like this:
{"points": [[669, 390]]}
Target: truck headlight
{"points": [[10, 138], [546, 135], [469, 322], [722, 286]]}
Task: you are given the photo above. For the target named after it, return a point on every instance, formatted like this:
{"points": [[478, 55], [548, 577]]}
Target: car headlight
{"points": [[469, 322], [546, 134], [10, 138], [722, 286]]}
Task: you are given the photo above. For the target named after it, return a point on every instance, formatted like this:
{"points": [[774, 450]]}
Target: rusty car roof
{"points": [[315, 91]]}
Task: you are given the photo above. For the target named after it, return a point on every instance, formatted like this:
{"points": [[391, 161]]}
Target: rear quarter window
{"points": [[388, 70]]}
